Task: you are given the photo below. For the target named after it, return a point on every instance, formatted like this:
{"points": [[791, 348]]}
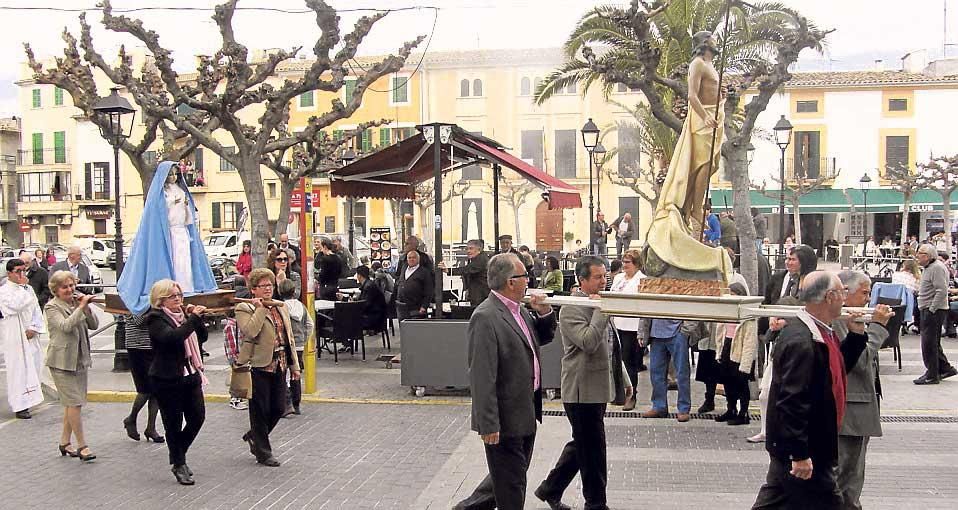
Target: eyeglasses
{"points": [[513, 277], [178, 295], [19, 271], [263, 286]]}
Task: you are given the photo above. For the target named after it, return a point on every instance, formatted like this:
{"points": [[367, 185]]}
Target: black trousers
{"points": [[505, 486], [931, 353], [584, 455], [784, 491], [180, 399], [736, 392], [265, 409], [631, 354], [295, 396]]}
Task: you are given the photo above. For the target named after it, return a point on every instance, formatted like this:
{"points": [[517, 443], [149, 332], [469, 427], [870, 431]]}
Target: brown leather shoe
{"points": [[655, 413], [682, 417]]}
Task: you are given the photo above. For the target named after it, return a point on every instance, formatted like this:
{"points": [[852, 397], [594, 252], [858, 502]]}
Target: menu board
{"points": [[381, 245]]}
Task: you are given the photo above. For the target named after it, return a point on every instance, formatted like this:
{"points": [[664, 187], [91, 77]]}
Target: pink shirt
{"points": [[517, 315]]}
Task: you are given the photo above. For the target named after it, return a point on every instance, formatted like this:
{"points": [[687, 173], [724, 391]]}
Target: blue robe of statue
{"points": [[150, 257]]}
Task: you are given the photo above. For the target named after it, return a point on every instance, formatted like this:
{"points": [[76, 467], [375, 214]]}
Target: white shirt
{"points": [[788, 277], [16, 299], [410, 270], [623, 227], [622, 283]]}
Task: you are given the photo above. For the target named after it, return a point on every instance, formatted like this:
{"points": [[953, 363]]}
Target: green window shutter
{"points": [[350, 87], [400, 89], [60, 147], [306, 100], [216, 215], [384, 137], [337, 134], [58, 96], [37, 148], [36, 98], [367, 140]]}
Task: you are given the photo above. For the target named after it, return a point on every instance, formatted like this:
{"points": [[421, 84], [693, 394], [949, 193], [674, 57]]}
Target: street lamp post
{"points": [[864, 183], [590, 138], [114, 107], [783, 136], [598, 154], [347, 158]]}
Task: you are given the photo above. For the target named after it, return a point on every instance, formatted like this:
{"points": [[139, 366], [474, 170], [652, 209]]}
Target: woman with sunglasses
{"points": [[280, 262], [176, 331]]}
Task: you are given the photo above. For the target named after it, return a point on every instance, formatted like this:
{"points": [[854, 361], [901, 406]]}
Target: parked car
{"points": [[224, 244], [111, 254], [97, 249], [95, 277]]}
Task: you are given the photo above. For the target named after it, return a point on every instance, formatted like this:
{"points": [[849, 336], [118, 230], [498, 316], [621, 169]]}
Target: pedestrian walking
{"points": [[589, 375], [807, 400], [69, 317], [269, 347], [140, 352], [21, 323], [505, 378], [177, 370], [302, 329], [933, 303]]}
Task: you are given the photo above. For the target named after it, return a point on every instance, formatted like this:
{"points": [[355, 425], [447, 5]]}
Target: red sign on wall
{"points": [[24, 227]]}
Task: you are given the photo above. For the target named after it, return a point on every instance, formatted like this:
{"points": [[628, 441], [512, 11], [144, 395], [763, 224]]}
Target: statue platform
{"points": [[216, 302]]}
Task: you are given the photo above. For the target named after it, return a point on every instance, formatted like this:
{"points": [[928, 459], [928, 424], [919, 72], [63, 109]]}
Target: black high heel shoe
{"points": [[85, 458], [130, 427], [153, 436], [64, 452]]}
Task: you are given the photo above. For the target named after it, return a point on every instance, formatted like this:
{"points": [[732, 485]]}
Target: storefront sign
{"points": [[98, 213], [24, 227]]}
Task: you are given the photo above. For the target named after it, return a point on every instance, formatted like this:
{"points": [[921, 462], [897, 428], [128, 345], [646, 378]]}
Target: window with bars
{"points": [[359, 218], [856, 227], [97, 181], [477, 87], [225, 165], [898, 105], [57, 96], [525, 86], [198, 160], [464, 88], [629, 153], [896, 151], [532, 146], [807, 106], [36, 98], [306, 100], [400, 89], [99, 227], [566, 141]]}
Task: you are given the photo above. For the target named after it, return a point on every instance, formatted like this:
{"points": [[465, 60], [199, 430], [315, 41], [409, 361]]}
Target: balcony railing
{"points": [[810, 168], [55, 156]]}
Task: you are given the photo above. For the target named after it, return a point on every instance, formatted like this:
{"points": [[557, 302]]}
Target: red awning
{"points": [[393, 172]]}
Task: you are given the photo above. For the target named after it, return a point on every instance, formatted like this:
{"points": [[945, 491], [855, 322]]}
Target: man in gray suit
{"points": [[504, 375], [74, 264], [862, 391], [624, 230], [586, 390]]}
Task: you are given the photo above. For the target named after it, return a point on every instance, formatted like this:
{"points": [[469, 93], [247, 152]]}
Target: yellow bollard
{"points": [[306, 247]]}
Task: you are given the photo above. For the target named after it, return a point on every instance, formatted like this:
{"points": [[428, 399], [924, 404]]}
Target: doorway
{"points": [[549, 225], [813, 229]]}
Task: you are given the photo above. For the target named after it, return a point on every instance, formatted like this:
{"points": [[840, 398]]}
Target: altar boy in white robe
{"points": [[20, 327]]}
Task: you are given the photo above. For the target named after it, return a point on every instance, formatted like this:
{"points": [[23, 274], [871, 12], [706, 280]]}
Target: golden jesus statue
{"points": [[677, 224]]}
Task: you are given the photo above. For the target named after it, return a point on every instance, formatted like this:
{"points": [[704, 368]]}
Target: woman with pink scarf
{"points": [[176, 331]]}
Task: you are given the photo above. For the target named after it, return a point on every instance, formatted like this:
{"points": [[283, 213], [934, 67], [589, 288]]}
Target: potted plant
{"points": [[569, 237]]}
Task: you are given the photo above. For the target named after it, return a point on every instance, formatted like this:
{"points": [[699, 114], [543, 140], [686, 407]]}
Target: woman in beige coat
{"points": [[69, 316]]}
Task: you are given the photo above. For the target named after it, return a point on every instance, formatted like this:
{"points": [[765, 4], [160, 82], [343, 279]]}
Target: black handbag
{"points": [[618, 384]]}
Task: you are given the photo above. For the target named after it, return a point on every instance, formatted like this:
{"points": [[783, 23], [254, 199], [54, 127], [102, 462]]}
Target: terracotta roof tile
{"points": [[864, 79]]}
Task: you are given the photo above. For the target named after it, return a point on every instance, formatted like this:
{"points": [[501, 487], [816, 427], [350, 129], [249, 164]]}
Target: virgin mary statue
{"points": [[167, 244]]}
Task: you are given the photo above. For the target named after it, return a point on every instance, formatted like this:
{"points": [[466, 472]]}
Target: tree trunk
{"points": [[904, 217], [426, 232], [515, 216], [797, 223], [946, 213], [742, 209], [249, 172], [282, 221]]}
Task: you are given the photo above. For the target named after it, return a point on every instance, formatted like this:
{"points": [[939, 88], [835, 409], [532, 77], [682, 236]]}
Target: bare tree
{"points": [[795, 189], [902, 179], [941, 174], [76, 76], [645, 182], [514, 192], [227, 83], [426, 199]]}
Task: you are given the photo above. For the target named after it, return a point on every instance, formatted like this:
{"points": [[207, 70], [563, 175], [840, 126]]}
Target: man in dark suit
{"points": [[474, 272], [414, 288], [74, 264], [624, 229], [412, 244], [586, 391], [37, 277], [374, 311], [806, 403], [505, 245], [505, 379], [862, 412], [600, 229]]}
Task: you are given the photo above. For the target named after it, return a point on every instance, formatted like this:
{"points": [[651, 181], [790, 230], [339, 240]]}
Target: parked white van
{"points": [[97, 249], [224, 244]]}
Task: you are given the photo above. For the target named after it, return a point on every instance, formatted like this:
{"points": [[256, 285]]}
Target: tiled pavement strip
{"points": [[394, 454]]}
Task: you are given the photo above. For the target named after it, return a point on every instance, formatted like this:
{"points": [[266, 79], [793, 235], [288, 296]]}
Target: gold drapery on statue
{"points": [[682, 197]]}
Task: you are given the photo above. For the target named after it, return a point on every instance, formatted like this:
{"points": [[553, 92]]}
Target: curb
{"points": [[128, 396]]}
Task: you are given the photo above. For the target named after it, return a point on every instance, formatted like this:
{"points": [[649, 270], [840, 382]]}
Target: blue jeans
{"points": [[758, 246], [661, 352]]}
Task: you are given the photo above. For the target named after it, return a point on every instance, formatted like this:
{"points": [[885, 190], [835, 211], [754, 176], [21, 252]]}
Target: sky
{"points": [[865, 30]]}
